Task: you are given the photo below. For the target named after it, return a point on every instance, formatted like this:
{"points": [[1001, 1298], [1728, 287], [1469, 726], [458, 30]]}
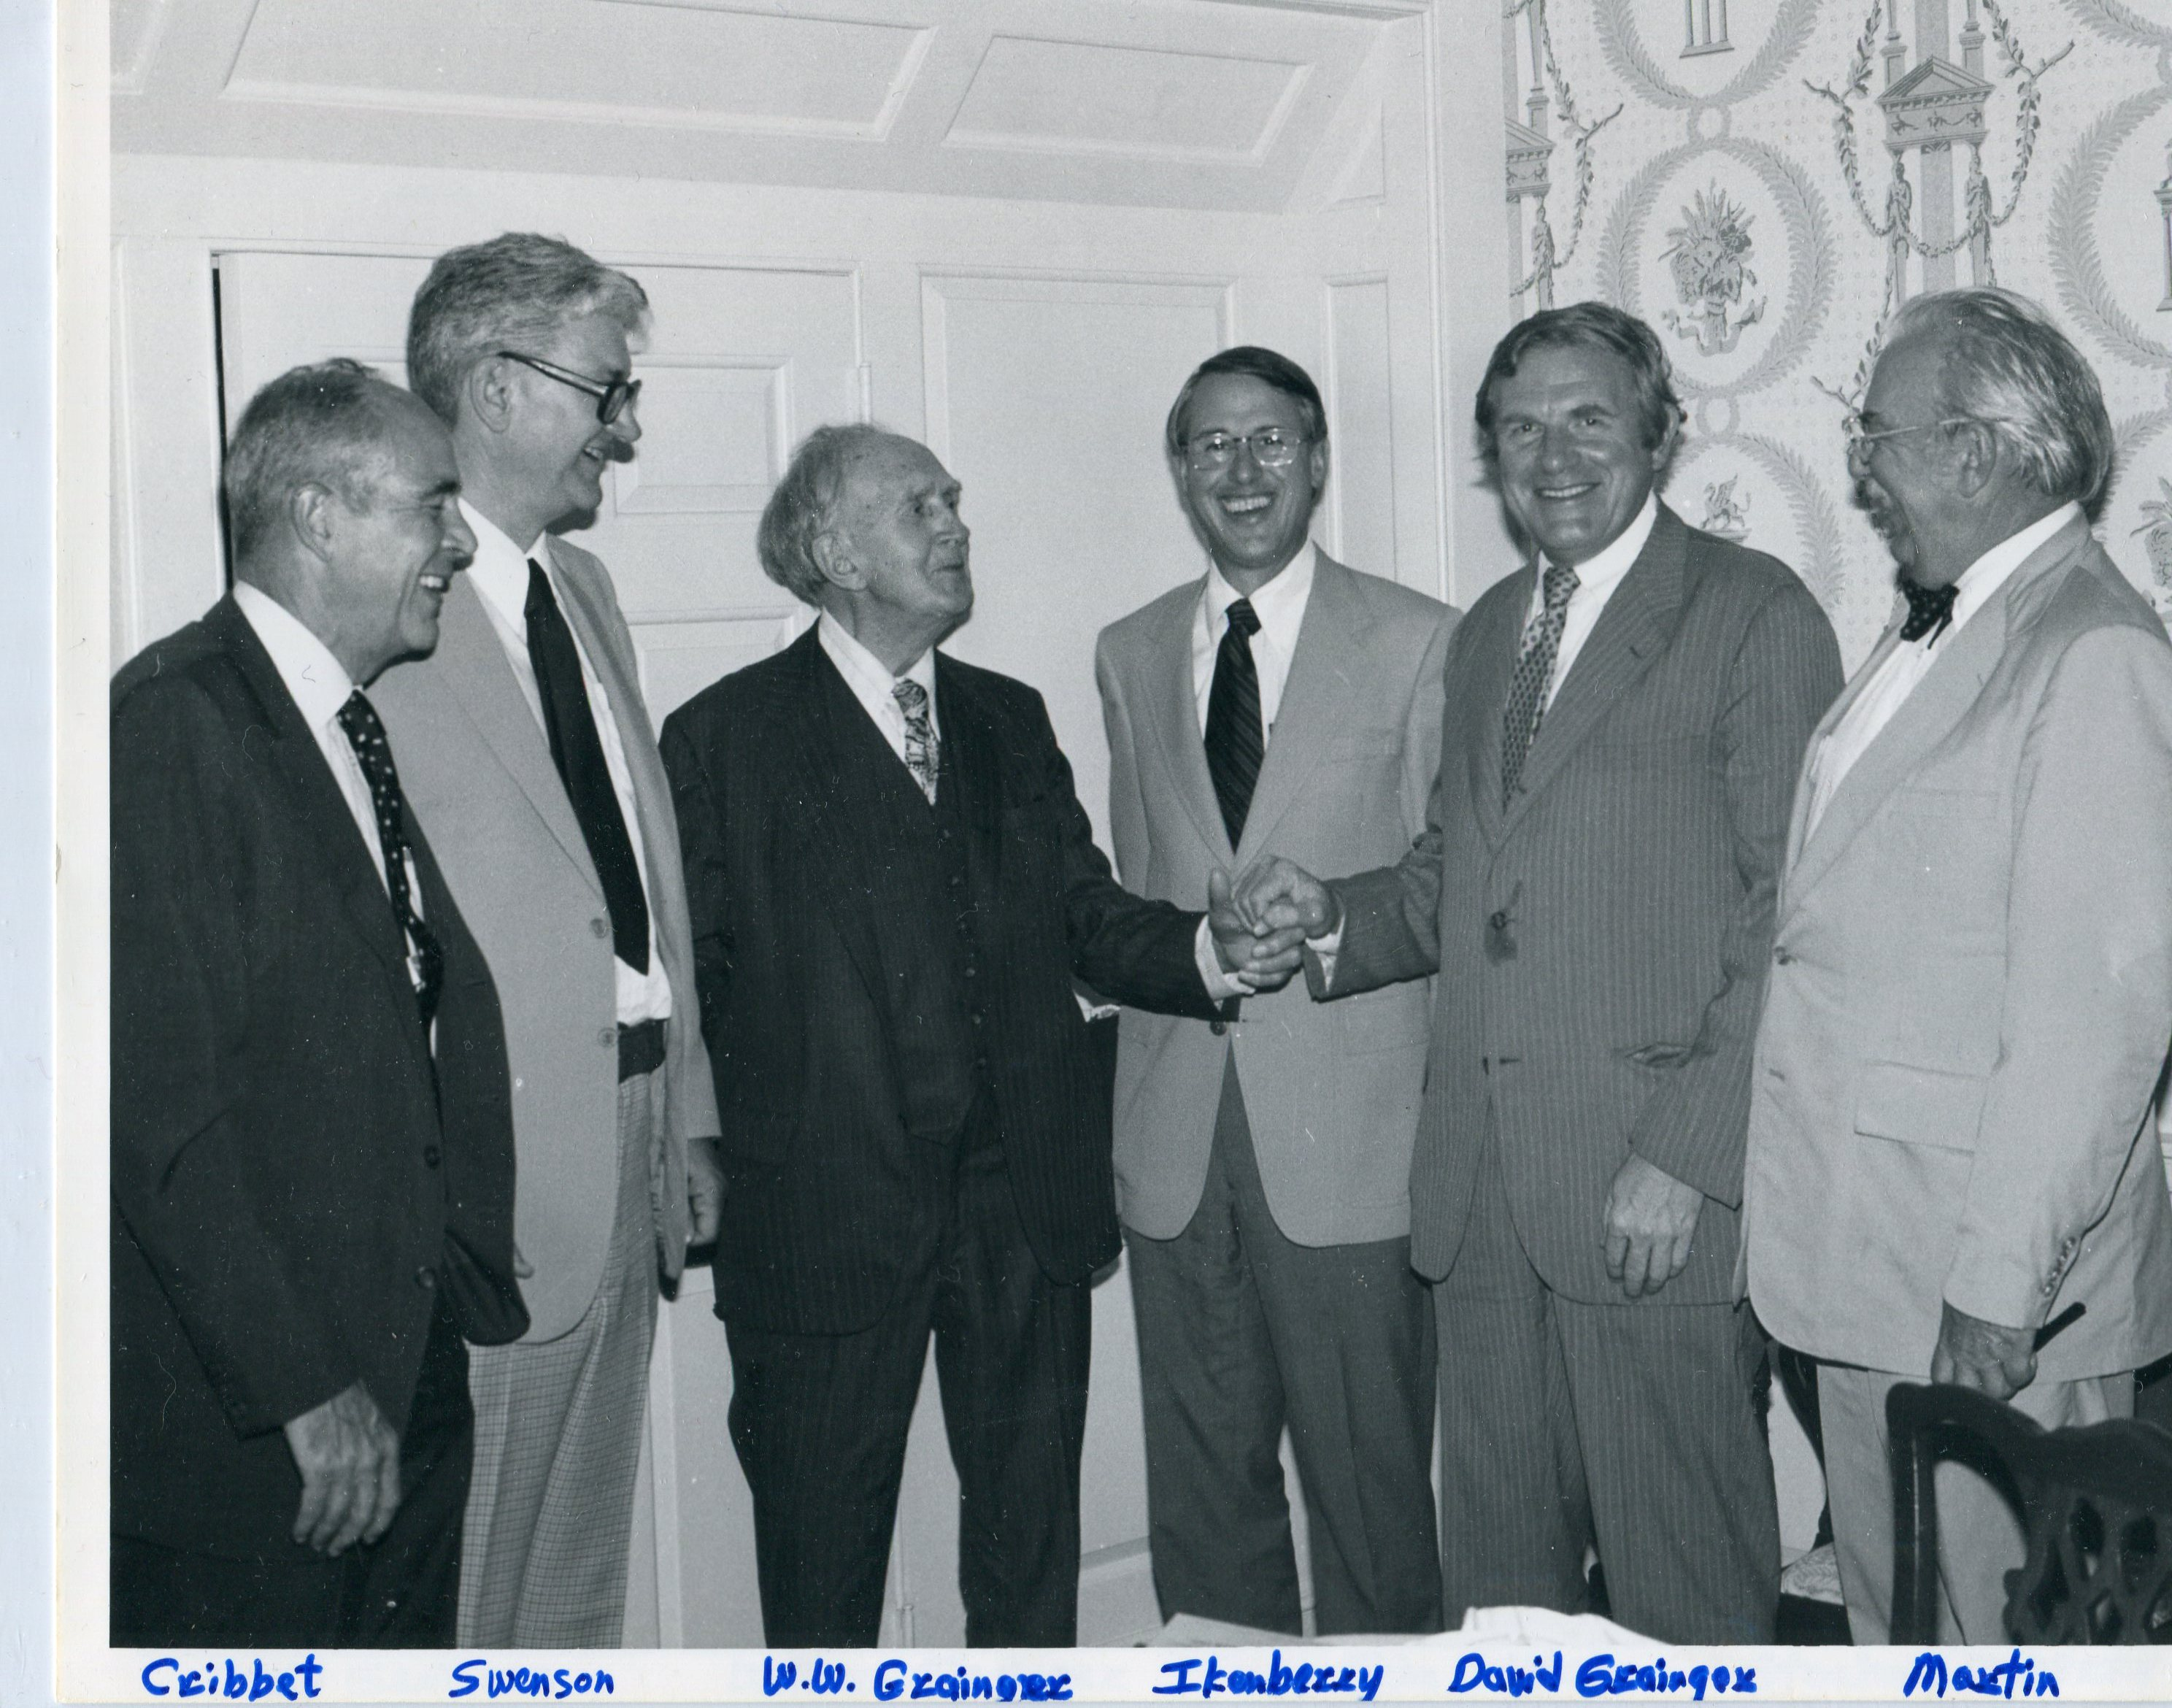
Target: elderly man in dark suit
{"points": [[312, 1134], [892, 885], [1595, 886]]}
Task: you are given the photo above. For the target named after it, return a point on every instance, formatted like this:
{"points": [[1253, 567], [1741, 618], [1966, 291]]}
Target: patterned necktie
{"points": [[366, 735], [578, 751], [1930, 609], [1527, 688], [1236, 743], [922, 756]]}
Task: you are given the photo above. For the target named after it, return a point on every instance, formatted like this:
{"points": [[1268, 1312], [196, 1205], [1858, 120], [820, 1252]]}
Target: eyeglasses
{"points": [[613, 397], [1270, 448], [1859, 442]]}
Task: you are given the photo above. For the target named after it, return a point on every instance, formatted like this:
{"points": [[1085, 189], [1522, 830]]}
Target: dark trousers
{"points": [[399, 1591], [820, 1422], [1241, 1331], [1631, 1426]]}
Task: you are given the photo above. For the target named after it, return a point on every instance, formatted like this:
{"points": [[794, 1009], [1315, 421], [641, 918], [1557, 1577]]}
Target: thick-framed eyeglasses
{"points": [[1270, 448], [612, 397], [1859, 442]]}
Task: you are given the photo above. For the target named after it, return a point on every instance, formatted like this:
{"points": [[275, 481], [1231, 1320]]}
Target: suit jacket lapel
{"points": [[1634, 629], [1494, 662], [1173, 707], [1316, 704], [971, 764], [314, 795], [1938, 703], [481, 679], [826, 826]]}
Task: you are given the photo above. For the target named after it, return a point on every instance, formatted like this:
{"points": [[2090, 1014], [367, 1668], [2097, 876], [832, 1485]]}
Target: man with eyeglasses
{"points": [[531, 764], [1593, 886], [1952, 1174], [1284, 704]]}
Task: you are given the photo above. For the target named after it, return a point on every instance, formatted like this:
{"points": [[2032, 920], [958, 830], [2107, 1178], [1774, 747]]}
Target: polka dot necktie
{"points": [[425, 963], [1236, 743], [1930, 609], [1527, 688], [922, 757]]}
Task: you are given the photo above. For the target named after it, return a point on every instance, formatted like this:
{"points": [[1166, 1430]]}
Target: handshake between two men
{"points": [[1262, 921]]}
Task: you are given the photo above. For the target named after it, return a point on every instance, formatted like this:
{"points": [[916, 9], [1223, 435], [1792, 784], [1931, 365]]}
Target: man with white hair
{"points": [[1950, 1171]]}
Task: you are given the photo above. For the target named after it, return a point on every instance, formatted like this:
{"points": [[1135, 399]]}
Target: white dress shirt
{"points": [[1280, 606], [1596, 578], [874, 685], [499, 575], [320, 685], [1895, 676]]}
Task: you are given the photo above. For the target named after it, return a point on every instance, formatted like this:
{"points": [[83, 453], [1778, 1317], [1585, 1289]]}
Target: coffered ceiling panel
{"points": [[1093, 98], [1209, 103], [696, 66]]}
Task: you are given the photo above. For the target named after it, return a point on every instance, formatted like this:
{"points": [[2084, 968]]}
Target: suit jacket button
{"points": [[608, 1037], [425, 1278], [598, 928], [1217, 1026], [431, 1155], [1782, 957], [1499, 921]]}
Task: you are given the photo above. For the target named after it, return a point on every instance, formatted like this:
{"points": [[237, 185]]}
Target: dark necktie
{"points": [[579, 753], [1930, 609], [1527, 688], [1236, 743], [366, 735]]}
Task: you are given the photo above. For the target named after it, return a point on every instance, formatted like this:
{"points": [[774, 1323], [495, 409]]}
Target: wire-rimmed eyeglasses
{"points": [[613, 397], [1270, 448]]}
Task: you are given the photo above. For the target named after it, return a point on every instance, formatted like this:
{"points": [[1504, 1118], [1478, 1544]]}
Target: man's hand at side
{"points": [[1987, 1357], [1263, 958], [704, 1191], [349, 1458], [1650, 1218]]}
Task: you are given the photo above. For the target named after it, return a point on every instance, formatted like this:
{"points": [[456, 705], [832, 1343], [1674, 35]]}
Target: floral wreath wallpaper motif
{"points": [[1765, 180]]}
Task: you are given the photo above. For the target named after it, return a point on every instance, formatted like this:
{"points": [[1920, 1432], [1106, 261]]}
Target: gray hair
{"points": [[322, 425], [515, 290], [805, 506], [2009, 368]]}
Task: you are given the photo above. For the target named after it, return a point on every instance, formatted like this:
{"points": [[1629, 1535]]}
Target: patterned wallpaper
{"points": [[1764, 180]]}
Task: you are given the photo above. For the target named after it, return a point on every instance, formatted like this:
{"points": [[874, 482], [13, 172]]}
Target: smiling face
{"points": [[1897, 478], [559, 449], [1568, 442], [899, 551], [393, 557], [1253, 520]]}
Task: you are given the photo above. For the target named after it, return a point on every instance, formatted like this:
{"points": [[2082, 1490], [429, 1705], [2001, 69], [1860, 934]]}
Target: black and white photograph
{"points": [[1253, 846]]}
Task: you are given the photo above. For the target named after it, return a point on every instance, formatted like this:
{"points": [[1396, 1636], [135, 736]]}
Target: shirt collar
{"points": [[1597, 574], [499, 572], [1977, 582], [869, 677], [320, 684], [1279, 604]]}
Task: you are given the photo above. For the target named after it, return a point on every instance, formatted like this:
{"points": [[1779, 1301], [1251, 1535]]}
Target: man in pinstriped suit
{"points": [[1594, 886], [893, 885]]}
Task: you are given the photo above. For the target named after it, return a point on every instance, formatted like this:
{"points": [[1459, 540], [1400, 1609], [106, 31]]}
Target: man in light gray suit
{"points": [[1595, 888], [1952, 1173], [1263, 1159], [529, 758]]}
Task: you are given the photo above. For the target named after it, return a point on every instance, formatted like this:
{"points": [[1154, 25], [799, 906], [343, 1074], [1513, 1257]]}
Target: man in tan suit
{"points": [[1263, 1159], [529, 758], [1971, 980]]}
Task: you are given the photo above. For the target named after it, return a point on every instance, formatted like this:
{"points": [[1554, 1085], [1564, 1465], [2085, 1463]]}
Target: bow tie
{"points": [[1930, 609]]}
